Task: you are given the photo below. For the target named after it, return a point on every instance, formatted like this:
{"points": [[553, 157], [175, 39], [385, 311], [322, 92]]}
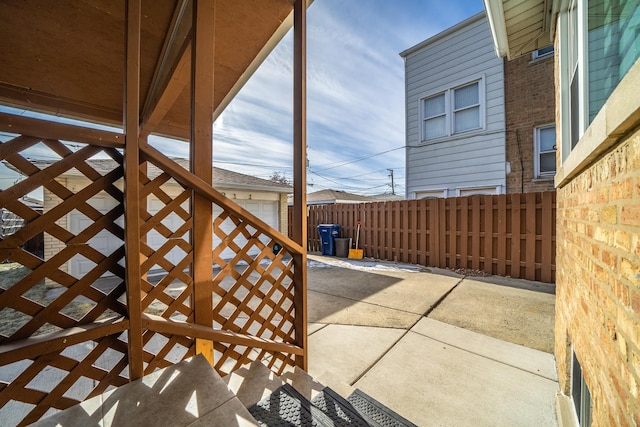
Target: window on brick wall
{"points": [[457, 110], [542, 53], [544, 138], [580, 393]]}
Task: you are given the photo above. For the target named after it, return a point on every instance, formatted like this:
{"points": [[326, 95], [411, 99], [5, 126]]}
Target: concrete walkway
{"points": [[373, 326]]}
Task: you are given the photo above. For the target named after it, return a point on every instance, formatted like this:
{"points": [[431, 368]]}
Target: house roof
{"points": [[222, 178], [519, 27], [443, 34], [328, 196], [68, 59]]}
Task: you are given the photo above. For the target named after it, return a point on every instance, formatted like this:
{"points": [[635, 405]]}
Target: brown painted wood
{"points": [[547, 237], [172, 326], [457, 232], [502, 236], [201, 166], [45, 129], [413, 227], [57, 341], [516, 235], [132, 187], [530, 236], [488, 235], [300, 176], [187, 179]]}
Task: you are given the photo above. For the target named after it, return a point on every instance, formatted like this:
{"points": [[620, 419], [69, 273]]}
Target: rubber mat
{"points": [[338, 409], [376, 414], [285, 407]]}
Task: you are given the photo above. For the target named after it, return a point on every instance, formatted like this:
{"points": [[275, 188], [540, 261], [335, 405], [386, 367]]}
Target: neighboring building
{"points": [[476, 125], [265, 199], [331, 197], [530, 120], [455, 122], [598, 196]]}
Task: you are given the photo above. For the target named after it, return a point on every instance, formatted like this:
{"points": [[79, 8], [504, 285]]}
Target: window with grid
{"points": [[545, 149], [454, 111]]}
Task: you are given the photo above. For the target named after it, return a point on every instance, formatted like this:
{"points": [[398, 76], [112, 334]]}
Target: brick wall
{"points": [[598, 282], [529, 102]]}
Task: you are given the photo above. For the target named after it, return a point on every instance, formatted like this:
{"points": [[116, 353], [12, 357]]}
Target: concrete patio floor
{"points": [[439, 348]]}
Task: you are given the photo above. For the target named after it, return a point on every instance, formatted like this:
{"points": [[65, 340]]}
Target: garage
{"points": [[264, 199]]}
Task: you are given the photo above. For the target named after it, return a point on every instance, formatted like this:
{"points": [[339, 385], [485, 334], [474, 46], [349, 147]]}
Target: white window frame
{"points": [[565, 34], [538, 152], [431, 193], [535, 55], [449, 110], [474, 191], [423, 118]]}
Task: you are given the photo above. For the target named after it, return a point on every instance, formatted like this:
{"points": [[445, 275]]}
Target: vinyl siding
{"points": [[472, 159]]}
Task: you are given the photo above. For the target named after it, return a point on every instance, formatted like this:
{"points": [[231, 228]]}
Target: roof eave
{"points": [[497, 23]]}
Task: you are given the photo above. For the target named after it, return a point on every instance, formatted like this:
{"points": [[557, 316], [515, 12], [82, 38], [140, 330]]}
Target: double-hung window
{"points": [[599, 42], [434, 122], [545, 148], [466, 108], [456, 110]]}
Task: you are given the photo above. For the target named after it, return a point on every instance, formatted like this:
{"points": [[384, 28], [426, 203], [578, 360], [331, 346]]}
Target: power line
{"points": [[362, 158]]}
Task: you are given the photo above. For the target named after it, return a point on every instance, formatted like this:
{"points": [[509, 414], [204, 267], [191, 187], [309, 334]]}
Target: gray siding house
{"points": [[455, 115]]}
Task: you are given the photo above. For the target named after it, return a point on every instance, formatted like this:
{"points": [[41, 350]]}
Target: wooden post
{"points": [[300, 174], [201, 166], [132, 188]]}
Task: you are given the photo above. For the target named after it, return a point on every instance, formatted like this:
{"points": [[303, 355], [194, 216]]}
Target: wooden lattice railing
{"points": [[64, 330]]}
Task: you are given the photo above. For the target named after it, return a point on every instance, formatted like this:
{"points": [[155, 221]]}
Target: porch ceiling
{"points": [[68, 58], [520, 26]]}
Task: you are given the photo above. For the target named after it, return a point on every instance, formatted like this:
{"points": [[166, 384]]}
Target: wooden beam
{"points": [[132, 188], [177, 327], [34, 347], [51, 130], [187, 179], [300, 175], [180, 78], [34, 100], [201, 166], [172, 74]]}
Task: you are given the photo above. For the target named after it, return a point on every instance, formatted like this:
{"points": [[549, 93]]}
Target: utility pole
{"points": [[393, 187]]}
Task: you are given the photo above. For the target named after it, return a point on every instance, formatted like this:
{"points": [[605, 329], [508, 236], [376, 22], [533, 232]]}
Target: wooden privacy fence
{"points": [[509, 235]]}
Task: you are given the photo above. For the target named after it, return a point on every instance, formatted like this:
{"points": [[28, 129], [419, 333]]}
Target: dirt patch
{"points": [[521, 316]]}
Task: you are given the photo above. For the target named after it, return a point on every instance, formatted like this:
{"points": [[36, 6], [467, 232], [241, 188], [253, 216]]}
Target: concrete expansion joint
{"points": [[441, 299], [466, 350], [365, 302], [404, 334]]}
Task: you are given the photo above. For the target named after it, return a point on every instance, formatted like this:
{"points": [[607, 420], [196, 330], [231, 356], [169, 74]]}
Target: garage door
{"points": [[106, 243], [265, 210]]}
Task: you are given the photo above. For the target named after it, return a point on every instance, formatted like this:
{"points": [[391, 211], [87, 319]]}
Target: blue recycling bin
{"points": [[328, 232]]}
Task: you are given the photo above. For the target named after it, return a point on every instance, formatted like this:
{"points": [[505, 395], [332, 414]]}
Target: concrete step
{"points": [[189, 393], [192, 394]]}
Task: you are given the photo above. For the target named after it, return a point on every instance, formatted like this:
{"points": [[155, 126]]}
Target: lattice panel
{"points": [[59, 291], [253, 291], [61, 379], [168, 285], [73, 279]]}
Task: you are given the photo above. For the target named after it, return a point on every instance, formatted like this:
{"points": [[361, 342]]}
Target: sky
{"points": [[355, 97]]}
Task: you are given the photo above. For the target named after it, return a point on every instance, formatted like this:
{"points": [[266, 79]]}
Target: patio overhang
{"points": [[67, 60], [520, 27]]}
